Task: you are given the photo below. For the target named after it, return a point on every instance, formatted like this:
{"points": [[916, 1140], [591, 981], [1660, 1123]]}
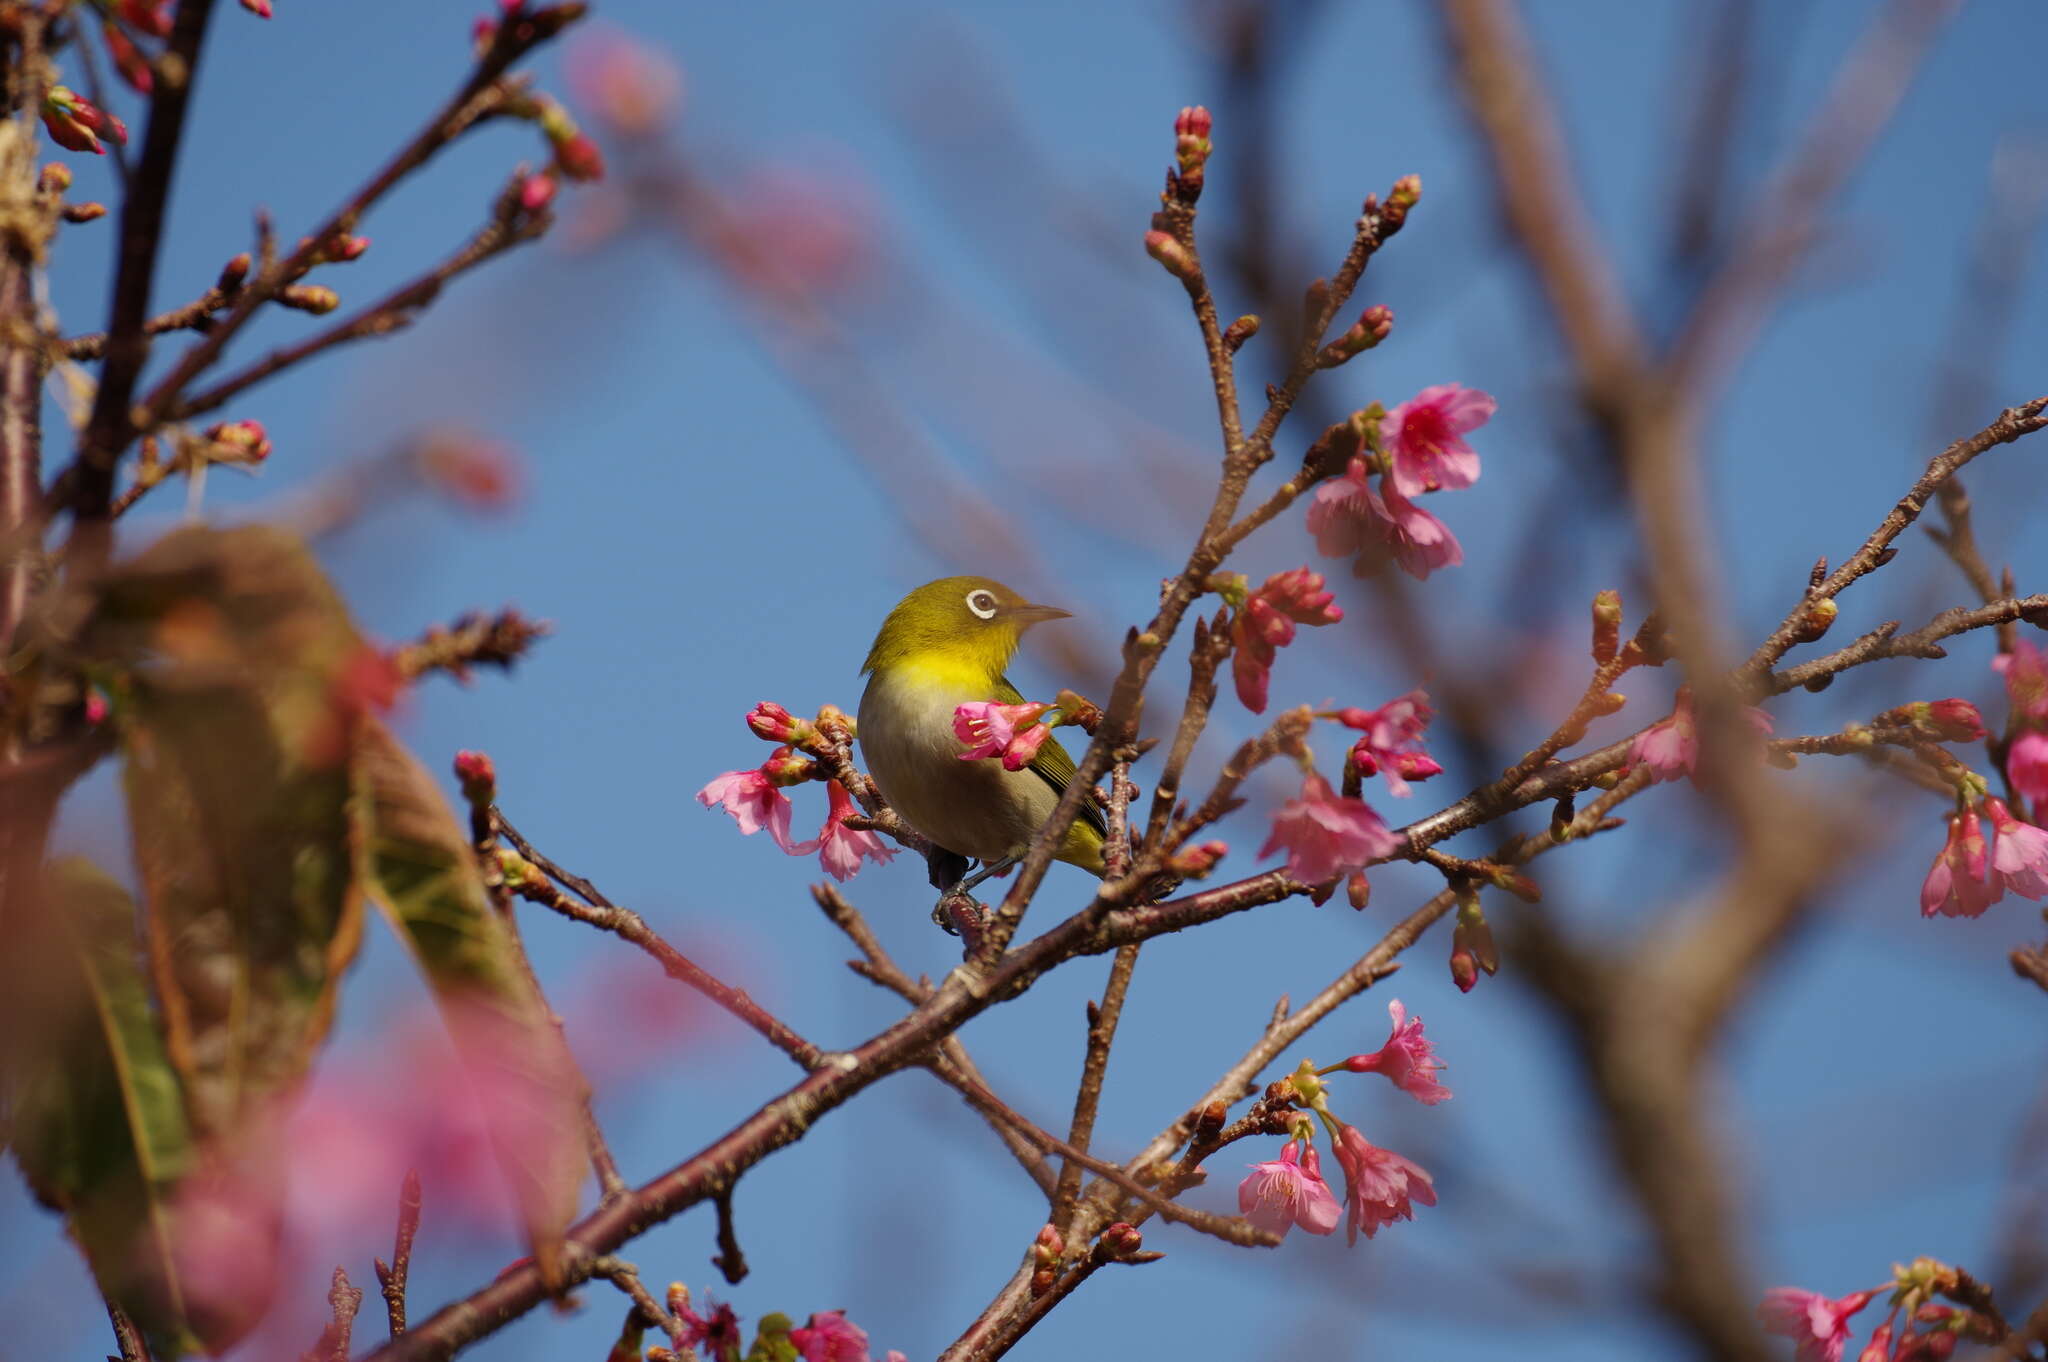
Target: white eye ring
{"points": [[982, 603]]}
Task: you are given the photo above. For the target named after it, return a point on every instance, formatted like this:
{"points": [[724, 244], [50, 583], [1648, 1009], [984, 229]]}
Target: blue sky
{"points": [[701, 537]]}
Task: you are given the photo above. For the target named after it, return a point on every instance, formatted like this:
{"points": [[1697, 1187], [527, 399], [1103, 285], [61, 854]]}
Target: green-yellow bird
{"points": [[944, 645]]}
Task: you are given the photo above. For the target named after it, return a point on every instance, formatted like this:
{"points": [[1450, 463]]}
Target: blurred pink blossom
{"points": [[624, 82], [1327, 836]]}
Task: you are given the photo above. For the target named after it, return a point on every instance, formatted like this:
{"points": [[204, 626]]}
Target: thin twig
{"points": [[602, 913], [729, 1260], [391, 1278]]}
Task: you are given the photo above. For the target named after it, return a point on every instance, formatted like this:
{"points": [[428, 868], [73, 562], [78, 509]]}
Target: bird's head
{"points": [[968, 625]]}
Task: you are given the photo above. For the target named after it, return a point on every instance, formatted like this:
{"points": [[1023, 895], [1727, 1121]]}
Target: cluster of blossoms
{"points": [[1417, 447], [1380, 1186], [1975, 868], [1264, 621], [829, 1336], [1919, 1327], [1013, 733], [1330, 836], [755, 799]]}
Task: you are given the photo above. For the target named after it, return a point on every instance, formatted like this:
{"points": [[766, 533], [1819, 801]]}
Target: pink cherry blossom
{"points": [[831, 1337], [1379, 1185], [840, 848], [1408, 1059], [1266, 621], [1670, 746], [1424, 438], [1962, 881], [1281, 1193], [992, 729], [1819, 1326], [2026, 765], [2019, 857], [1420, 542], [2025, 670], [1327, 836], [754, 802], [1392, 741], [1348, 518], [630, 87]]}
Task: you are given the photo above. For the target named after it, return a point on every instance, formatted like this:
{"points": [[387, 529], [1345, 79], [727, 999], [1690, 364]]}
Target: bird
{"points": [[944, 645]]}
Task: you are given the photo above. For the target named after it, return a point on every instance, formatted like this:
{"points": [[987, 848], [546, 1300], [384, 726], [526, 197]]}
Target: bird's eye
{"points": [[982, 603]]}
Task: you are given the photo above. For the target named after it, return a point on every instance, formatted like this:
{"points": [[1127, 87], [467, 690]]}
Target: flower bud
{"points": [[1606, 626], [84, 212], [536, 192], [259, 8], [238, 442], [233, 273], [678, 1298], [835, 724], [1358, 889], [1042, 1281], [1815, 619], [1048, 1247], [1195, 862], [1122, 1239], [1950, 720], [1464, 970], [1240, 331], [1369, 330], [314, 298], [785, 768], [55, 178], [1609, 702], [772, 722], [1078, 710], [478, 776], [1406, 193], [1170, 253], [578, 158]]}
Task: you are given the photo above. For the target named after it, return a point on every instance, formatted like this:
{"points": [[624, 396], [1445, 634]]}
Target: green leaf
{"points": [[98, 1120], [419, 864], [233, 659]]}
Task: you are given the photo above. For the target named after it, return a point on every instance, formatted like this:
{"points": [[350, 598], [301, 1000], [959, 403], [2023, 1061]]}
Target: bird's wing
{"points": [[1052, 764]]}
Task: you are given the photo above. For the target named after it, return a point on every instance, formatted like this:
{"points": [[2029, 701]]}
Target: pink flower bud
{"points": [[785, 768], [536, 192], [1195, 862], [239, 442], [1464, 970], [259, 8], [128, 59], [1168, 252], [478, 776], [95, 707], [771, 721]]}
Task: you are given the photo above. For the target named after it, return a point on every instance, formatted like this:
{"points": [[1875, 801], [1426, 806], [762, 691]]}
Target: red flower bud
{"points": [[536, 192], [478, 776]]}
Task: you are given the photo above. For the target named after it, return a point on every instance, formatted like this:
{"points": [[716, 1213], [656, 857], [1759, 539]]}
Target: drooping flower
{"points": [[718, 1334], [840, 848], [754, 802], [1420, 542], [2025, 670], [1407, 1059], [1281, 1193], [1669, 747], [2019, 856], [1349, 519], [1265, 622], [1379, 1185], [1818, 1325], [1392, 741], [1962, 881], [2026, 765], [1424, 438], [992, 729], [831, 1337], [1326, 835]]}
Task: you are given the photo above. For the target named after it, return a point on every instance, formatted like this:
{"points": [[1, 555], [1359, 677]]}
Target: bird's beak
{"points": [[1035, 614]]}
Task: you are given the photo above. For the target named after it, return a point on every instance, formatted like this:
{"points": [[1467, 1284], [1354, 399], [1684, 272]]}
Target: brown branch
{"points": [[196, 315], [1102, 1024], [602, 913], [730, 1262], [473, 640], [391, 1278], [626, 1278], [109, 426], [343, 1300], [126, 1336], [510, 227]]}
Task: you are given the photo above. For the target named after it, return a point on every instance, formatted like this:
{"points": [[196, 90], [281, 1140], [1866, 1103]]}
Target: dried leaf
{"points": [[418, 863], [98, 1120], [234, 659]]}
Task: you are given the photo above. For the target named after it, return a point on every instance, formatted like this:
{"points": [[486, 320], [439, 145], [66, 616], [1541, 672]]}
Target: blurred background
{"points": [[862, 302]]}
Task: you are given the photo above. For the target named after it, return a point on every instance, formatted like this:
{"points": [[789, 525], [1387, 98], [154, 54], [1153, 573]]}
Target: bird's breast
{"points": [[975, 808]]}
